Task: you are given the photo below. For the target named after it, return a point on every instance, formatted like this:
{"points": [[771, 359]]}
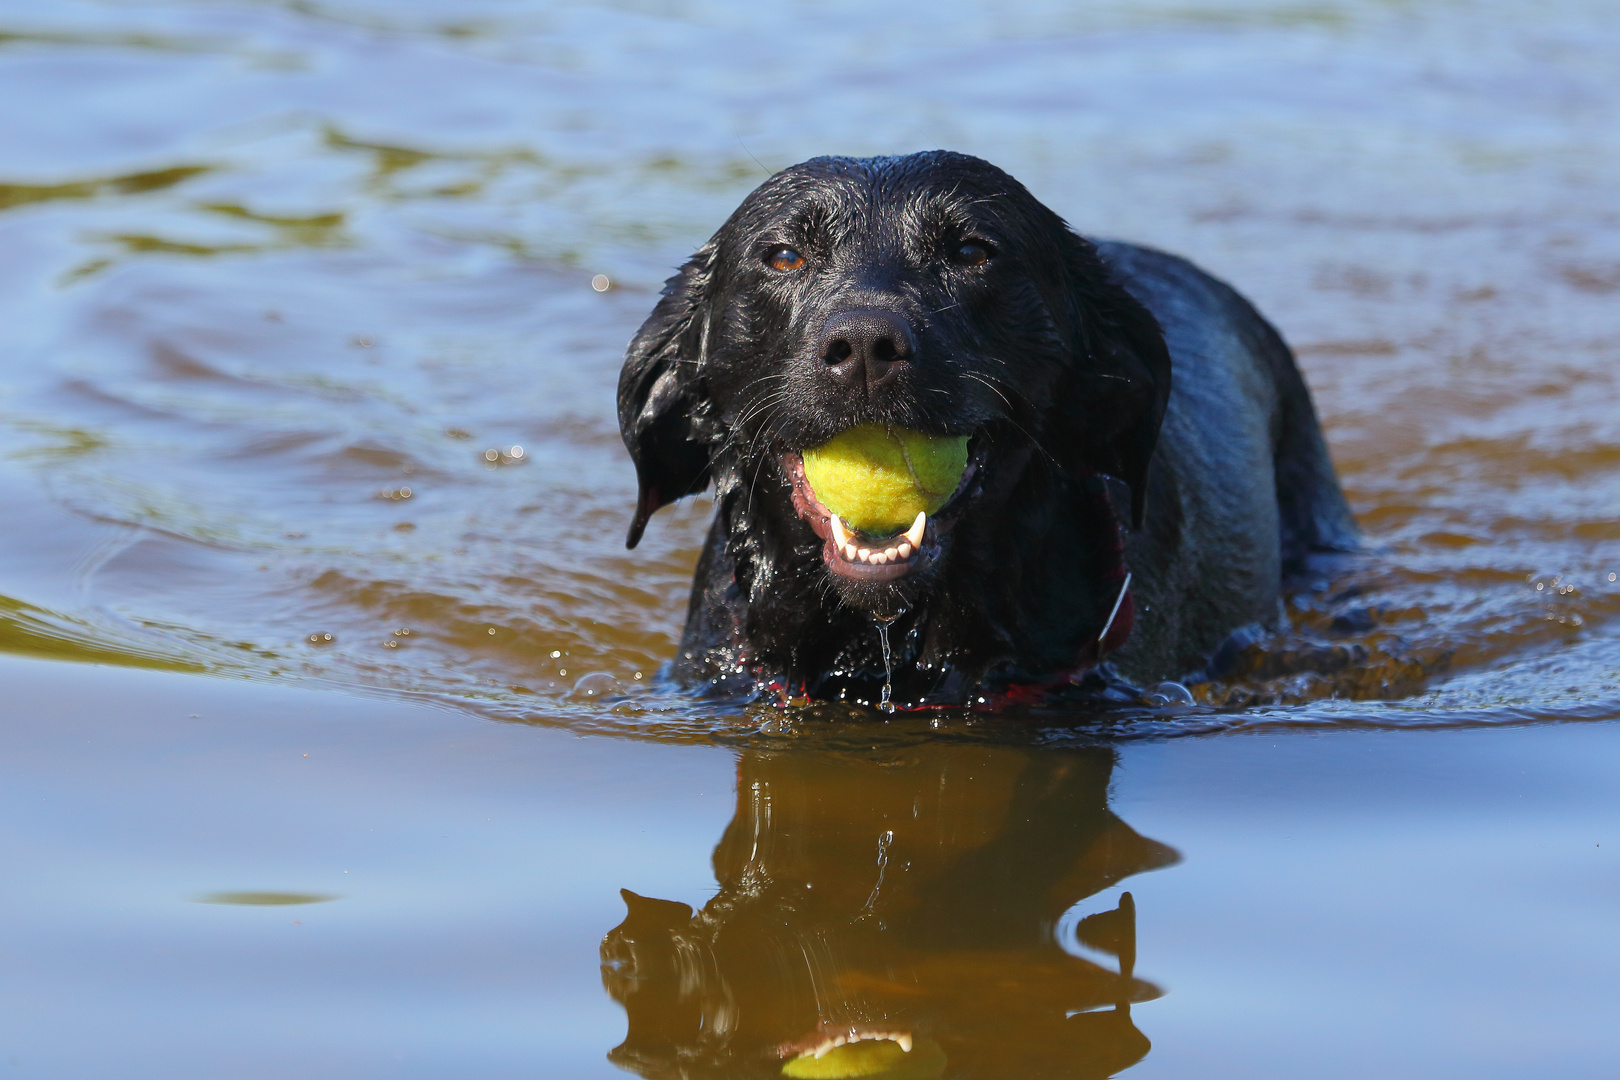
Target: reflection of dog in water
{"points": [[895, 916]]}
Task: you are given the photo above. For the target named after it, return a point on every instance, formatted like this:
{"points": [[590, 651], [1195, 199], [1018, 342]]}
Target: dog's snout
{"points": [[864, 346]]}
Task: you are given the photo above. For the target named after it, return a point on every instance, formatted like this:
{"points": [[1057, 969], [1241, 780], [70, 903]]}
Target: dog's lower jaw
{"points": [[885, 591], [882, 601]]}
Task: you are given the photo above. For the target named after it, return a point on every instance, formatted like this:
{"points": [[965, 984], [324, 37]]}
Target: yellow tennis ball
{"points": [[878, 478], [877, 1059]]}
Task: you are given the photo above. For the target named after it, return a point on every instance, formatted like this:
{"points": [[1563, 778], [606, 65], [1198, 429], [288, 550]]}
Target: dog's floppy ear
{"points": [[663, 408], [1120, 384]]}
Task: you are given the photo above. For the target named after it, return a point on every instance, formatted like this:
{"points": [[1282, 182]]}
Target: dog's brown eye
{"points": [[784, 259], [971, 253]]}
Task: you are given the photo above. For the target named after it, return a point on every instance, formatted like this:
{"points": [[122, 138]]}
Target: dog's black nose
{"points": [[865, 345]]}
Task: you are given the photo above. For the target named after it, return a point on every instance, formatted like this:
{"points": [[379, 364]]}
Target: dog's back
{"points": [[1241, 492]]}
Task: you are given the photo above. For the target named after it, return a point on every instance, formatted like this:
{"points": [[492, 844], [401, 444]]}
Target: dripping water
{"points": [[885, 704]]}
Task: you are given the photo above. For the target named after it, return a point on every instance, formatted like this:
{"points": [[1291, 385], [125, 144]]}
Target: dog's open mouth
{"points": [[862, 1052], [877, 555]]}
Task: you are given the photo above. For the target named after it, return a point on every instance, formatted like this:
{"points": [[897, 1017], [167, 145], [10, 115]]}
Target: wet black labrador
{"points": [[1145, 464]]}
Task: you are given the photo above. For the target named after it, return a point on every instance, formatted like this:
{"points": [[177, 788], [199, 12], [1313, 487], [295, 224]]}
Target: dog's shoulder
{"points": [[1242, 489], [1221, 347]]}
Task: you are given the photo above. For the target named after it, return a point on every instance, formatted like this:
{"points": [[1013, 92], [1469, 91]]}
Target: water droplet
{"points": [[1171, 693], [601, 283], [595, 684]]}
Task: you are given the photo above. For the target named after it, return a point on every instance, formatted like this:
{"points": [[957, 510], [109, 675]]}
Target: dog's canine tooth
{"points": [[839, 531], [915, 533]]}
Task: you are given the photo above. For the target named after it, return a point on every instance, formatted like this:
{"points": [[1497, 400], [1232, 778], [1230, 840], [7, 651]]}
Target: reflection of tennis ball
{"points": [[877, 479], [876, 1059]]}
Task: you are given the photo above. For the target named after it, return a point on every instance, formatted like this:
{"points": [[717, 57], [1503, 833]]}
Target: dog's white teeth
{"points": [[915, 533], [839, 531], [828, 1046], [844, 543], [829, 1043]]}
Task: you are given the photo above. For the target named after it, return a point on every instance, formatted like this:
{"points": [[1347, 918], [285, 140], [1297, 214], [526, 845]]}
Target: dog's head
{"points": [[930, 293]]}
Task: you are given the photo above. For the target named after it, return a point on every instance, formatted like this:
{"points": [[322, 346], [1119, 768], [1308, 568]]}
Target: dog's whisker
{"points": [[766, 434], [1033, 441], [757, 408]]}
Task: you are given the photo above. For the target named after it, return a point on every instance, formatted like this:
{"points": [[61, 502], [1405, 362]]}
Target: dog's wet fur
{"points": [[1128, 413]]}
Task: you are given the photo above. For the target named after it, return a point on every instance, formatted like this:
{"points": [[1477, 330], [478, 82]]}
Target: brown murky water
{"points": [[304, 381]]}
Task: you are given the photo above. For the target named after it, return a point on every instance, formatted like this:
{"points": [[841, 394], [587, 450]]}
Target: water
{"points": [[310, 319]]}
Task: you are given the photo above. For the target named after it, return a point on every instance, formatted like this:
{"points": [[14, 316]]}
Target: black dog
{"points": [[933, 293]]}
